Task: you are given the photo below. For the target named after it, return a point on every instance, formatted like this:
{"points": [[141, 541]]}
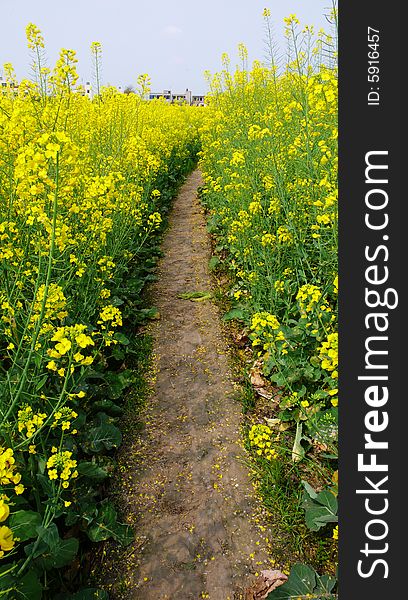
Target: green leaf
{"points": [[103, 437], [124, 534], [312, 493], [24, 524], [41, 383], [121, 338], [7, 579], [213, 263], [103, 526], [118, 354], [325, 584], [320, 510], [302, 581], [317, 516], [118, 382], [107, 406], [59, 552], [90, 469], [63, 554], [45, 484], [35, 549], [234, 313], [29, 587], [329, 500]]}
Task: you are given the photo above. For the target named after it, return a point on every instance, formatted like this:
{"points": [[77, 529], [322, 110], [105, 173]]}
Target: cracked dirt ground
{"points": [[186, 489]]}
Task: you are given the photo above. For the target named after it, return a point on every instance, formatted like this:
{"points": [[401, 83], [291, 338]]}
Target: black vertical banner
{"points": [[373, 259]]}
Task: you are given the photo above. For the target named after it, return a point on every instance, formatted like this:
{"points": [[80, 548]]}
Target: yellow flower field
{"points": [[83, 186]]}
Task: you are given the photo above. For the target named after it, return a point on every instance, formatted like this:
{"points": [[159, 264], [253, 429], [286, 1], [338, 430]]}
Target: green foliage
{"points": [[75, 274], [24, 524], [269, 161], [304, 584], [320, 508], [105, 525]]}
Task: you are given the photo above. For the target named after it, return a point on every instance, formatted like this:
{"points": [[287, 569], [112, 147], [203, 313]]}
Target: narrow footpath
{"points": [[186, 488]]}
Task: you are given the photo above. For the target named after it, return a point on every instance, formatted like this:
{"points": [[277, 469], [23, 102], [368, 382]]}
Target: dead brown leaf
{"points": [[265, 584], [261, 385]]}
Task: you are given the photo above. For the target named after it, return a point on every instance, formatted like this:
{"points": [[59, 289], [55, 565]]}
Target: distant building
{"points": [[178, 98], [198, 100], [84, 90], [166, 94]]}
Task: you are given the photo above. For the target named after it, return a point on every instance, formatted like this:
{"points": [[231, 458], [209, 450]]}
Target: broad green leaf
{"points": [[234, 313], [51, 551], [117, 383], [29, 587], [329, 500], [309, 489], [45, 484], [325, 584], [317, 516], [302, 579], [14, 587], [121, 338], [301, 582], [63, 554], [24, 524], [124, 534], [107, 406], [103, 437], [90, 469], [103, 526], [213, 263]]}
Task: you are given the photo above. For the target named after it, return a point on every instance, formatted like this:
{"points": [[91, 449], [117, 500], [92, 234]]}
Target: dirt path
{"points": [[187, 490]]}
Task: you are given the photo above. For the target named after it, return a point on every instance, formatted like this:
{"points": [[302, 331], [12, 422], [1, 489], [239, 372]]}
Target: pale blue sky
{"points": [[172, 41]]}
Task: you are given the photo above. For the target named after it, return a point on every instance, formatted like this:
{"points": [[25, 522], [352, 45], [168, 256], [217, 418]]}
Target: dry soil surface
{"points": [[186, 488]]}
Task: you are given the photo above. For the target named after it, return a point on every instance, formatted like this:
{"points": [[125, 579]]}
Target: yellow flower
{"points": [[84, 340], [19, 489], [6, 538], [4, 510], [63, 346], [87, 361]]}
